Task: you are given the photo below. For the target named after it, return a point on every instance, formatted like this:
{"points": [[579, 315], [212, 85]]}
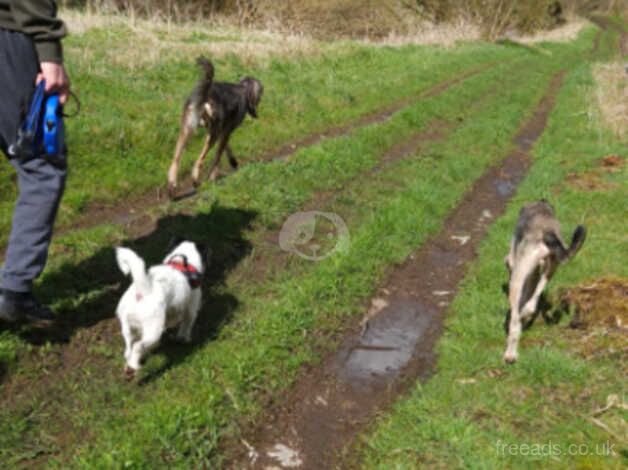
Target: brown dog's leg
{"points": [[173, 172], [213, 174], [196, 171], [232, 160]]}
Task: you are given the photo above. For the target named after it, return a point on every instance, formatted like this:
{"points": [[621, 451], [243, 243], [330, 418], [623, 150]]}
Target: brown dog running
{"points": [[219, 107]]}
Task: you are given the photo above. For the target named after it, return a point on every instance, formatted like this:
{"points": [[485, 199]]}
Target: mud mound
{"points": [[599, 326], [589, 181], [613, 163], [595, 180], [601, 303]]}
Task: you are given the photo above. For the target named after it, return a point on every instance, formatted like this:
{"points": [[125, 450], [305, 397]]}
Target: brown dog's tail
{"points": [[556, 246], [207, 67], [208, 79]]}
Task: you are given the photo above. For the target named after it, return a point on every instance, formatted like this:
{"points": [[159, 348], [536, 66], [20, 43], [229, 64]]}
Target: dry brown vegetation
{"points": [[563, 33], [365, 18], [612, 96], [156, 39]]}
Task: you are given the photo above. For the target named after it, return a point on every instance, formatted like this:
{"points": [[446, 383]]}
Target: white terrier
{"points": [[167, 295]]}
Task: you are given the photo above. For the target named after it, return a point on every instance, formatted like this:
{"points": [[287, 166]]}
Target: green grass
{"points": [[544, 400]]}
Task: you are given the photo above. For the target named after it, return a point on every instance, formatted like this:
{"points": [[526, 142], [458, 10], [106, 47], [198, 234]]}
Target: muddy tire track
{"points": [[437, 130], [394, 343], [376, 117]]}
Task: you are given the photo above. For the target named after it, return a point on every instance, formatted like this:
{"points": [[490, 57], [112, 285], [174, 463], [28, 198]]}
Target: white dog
{"points": [[167, 295]]}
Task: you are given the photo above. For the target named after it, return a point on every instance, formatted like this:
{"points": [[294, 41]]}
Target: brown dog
{"points": [[220, 108]]}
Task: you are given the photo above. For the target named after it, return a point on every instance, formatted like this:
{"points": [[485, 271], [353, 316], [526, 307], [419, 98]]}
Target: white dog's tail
{"points": [[130, 263]]}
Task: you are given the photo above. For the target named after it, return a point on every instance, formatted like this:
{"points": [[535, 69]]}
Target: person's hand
{"points": [[57, 80]]}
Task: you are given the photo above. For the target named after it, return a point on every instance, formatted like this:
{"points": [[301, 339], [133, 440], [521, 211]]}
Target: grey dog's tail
{"points": [[556, 246]]}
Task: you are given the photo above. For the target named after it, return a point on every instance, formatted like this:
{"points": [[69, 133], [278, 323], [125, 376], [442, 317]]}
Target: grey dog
{"points": [[536, 251]]}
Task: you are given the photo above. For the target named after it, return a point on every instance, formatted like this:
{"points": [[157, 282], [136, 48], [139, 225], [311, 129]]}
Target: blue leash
{"points": [[40, 133]]}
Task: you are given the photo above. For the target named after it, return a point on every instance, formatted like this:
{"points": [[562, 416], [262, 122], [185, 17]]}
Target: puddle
{"points": [[388, 343], [504, 187]]}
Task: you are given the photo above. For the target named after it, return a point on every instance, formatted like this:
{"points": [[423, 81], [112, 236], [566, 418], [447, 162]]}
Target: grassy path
{"points": [[65, 405]]}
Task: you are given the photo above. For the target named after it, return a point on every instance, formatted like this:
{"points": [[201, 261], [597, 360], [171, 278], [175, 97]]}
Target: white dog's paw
{"points": [[510, 357]]}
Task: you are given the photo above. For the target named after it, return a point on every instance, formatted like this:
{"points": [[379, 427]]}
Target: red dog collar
{"points": [[189, 271]]}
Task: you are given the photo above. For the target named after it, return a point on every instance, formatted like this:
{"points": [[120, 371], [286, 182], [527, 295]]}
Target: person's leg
{"points": [[40, 188], [18, 70], [40, 181]]}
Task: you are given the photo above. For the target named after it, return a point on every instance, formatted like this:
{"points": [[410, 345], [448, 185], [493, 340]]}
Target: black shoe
{"points": [[8, 312], [23, 307]]}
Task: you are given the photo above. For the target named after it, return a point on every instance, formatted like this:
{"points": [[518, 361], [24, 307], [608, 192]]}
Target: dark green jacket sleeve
{"points": [[38, 19]]}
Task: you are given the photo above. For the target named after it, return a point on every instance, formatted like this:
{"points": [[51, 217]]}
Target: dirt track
{"points": [[393, 345]]}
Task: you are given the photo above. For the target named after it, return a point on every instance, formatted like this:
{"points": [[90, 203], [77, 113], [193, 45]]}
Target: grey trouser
{"points": [[40, 181]]}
